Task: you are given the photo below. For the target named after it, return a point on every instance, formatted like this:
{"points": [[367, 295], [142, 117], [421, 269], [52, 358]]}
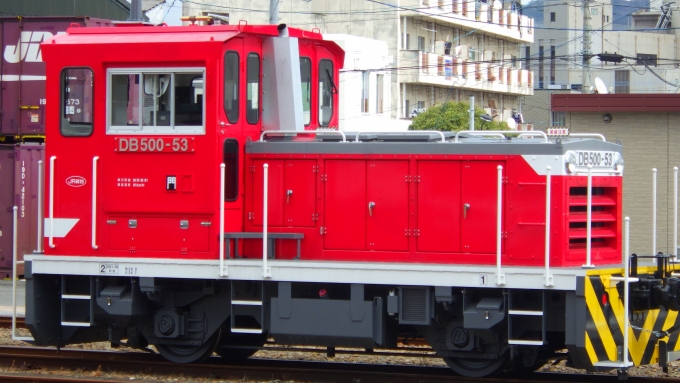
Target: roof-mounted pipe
{"points": [[283, 30]]}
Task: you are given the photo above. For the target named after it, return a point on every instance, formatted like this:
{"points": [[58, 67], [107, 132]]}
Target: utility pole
{"points": [[274, 12], [135, 11], [586, 52]]}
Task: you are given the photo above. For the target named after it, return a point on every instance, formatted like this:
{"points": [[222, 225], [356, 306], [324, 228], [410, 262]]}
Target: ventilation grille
{"points": [[603, 218], [415, 305]]}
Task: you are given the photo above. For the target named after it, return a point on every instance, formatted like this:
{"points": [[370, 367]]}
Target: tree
{"points": [[453, 116]]}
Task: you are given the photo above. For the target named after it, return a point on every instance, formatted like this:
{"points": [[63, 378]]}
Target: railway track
{"points": [[262, 369]]}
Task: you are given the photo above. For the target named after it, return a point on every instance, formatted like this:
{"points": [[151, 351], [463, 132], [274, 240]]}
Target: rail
{"points": [[15, 261], [266, 271], [318, 131], [94, 202], [500, 277], [549, 280], [41, 221], [594, 135], [500, 133], [51, 240], [443, 138], [223, 272]]}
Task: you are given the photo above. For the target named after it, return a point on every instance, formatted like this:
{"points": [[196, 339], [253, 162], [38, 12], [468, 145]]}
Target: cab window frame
{"points": [[325, 72], [307, 120], [64, 124], [235, 112]]}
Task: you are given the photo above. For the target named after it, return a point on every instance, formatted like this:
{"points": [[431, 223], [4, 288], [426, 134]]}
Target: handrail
{"points": [[94, 202], [41, 220], [501, 133], [15, 254], [654, 171], [356, 138], [317, 131], [675, 213], [595, 135], [589, 216], [549, 281], [266, 271], [500, 277], [51, 241], [222, 178]]}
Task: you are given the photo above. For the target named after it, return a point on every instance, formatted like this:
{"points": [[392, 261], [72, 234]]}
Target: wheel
{"points": [[229, 343], [189, 354], [476, 368]]}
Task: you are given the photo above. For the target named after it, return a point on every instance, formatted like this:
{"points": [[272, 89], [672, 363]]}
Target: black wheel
{"points": [[228, 348], [189, 354], [476, 368]]}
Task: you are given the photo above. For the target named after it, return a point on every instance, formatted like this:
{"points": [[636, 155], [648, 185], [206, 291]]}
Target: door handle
{"points": [[288, 194], [465, 209], [371, 205]]}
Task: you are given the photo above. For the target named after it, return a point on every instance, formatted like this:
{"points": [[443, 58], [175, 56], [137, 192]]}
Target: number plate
{"points": [[165, 144], [597, 159], [109, 269]]}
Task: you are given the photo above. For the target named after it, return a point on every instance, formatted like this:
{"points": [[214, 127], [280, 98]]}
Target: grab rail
{"points": [[266, 271], [94, 202], [51, 241], [356, 138], [344, 138], [500, 133], [500, 277], [41, 221], [15, 254], [549, 280], [222, 177]]}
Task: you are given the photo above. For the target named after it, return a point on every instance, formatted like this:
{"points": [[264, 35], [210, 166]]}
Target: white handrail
{"points": [[15, 254], [94, 202], [549, 281], [500, 277], [356, 138], [654, 211], [500, 133], [589, 212], [317, 131], [626, 289], [675, 212], [594, 135], [41, 220], [266, 271], [222, 178], [51, 240]]}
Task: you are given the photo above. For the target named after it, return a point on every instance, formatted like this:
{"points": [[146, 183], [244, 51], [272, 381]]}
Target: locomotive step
{"points": [[247, 303], [76, 324], [75, 296]]}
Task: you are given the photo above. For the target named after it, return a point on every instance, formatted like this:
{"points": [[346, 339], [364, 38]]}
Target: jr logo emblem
{"points": [[75, 181], [27, 48]]}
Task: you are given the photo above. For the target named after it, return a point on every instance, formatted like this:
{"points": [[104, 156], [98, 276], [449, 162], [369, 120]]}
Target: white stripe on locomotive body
{"points": [[375, 273], [557, 164], [62, 226]]}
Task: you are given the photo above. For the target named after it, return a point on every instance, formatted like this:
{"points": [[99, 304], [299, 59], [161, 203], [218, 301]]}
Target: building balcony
{"points": [[479, 16], [449, 71]]}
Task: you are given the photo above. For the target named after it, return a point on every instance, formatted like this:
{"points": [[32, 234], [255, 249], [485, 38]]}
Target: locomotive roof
{"points": [[377, 143]]}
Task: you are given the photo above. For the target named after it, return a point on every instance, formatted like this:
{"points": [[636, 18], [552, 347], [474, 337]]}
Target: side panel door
{"points": [[345, 205], [439, 206], [479, 184], [275, 197], [300, 193], [388, 218]]}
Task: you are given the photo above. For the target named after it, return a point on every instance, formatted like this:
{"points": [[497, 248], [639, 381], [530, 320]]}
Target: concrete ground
{"points": [[6, 297]]}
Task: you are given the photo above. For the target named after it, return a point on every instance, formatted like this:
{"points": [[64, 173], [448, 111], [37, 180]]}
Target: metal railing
{"points": [[318, 131], [223, 271], [51, 239], [441, 135], [94, 202], [15, 261]]}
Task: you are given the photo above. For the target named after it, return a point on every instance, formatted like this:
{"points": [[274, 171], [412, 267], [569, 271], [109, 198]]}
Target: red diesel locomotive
{"points": [[199, 198]]}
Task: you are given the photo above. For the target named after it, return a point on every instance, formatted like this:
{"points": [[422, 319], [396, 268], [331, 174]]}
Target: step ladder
{"points": [[73, 304], [521, 312], [246, 305]]}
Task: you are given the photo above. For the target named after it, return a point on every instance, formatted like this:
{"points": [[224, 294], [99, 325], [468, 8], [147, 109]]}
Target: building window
{"points": [[306, 78], [527, 57], [408, 41], [253, 89], [593, 11], [162, 102], [621, 81], [231, 86], [326, 90], [559, 118], [76, 102], [380, 92], [407, 112], [421, 43], [365, 79], [540, 64], [552, 64], [552, 17], [645, 59], [421, 105]]}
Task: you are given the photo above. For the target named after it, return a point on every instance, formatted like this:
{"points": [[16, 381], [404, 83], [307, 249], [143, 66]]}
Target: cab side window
{"points": [[76, 102], [306, 78], [231, 86], [326, 90]]}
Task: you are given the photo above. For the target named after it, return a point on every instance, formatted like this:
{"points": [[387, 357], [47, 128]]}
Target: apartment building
{"points": [[443, 50]]}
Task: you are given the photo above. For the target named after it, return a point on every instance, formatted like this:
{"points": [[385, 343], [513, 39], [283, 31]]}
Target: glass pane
{"points": [[253, 89], [189, 99], [306, 77], [230, 169], [156, 103], [76, 102], [326, 85], [231, 86], [125, 100]]}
